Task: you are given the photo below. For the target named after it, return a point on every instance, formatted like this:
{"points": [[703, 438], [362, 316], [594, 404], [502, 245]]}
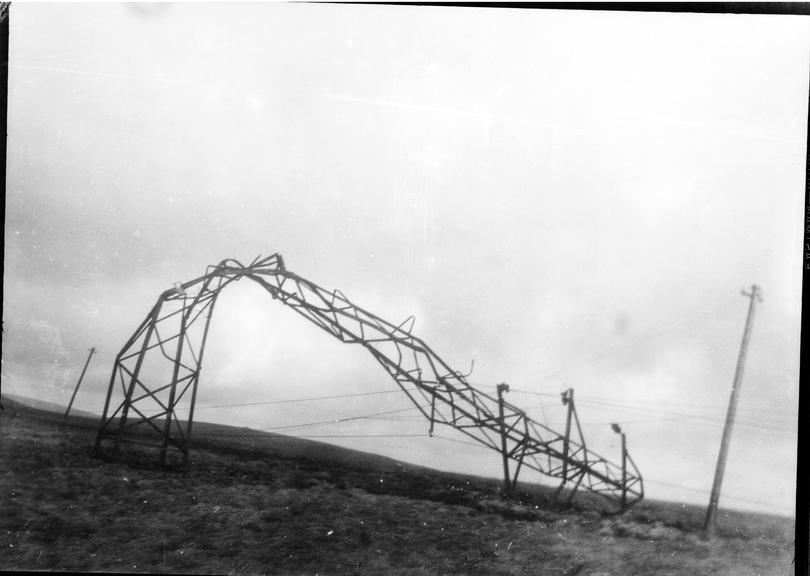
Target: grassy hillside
{"points": [[254, 503]]}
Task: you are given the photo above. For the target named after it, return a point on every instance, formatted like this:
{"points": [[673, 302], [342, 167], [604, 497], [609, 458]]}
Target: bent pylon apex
{"points": [[156, 374]]}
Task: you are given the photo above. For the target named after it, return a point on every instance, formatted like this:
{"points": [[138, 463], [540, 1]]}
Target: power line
{"points": [[587, 400], [713, 407], [294, 400], [341, 420], [771, 425], [365, 436], [460, 441], [701, 491], [630, 403]]}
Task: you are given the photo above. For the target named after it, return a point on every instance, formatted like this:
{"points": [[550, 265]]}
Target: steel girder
{"points": [[158, 370]]}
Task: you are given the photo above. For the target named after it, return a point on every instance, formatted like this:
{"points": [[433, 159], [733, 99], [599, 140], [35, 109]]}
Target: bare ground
{"points": [[252, 503]]}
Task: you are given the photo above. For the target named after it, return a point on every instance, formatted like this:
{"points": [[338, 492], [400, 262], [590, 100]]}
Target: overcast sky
{"points": [[571, 199]]}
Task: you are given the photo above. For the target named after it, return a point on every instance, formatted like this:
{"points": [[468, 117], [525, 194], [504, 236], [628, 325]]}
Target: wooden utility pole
{"points": [[72, 398], [711, 512]]}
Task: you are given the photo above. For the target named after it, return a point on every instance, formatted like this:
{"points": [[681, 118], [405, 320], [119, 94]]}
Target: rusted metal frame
{"points": [[427, 352], [580, 476], [305, 291], [453, 412], [105, 422], [222, 281], [143, 420], [364, 317], [206, 306], [536, 463], [108, 420], [127, 404], [172, 296], [482, 413], [487, 441], [412, 320], [153, 393], [322, 318], [416, 363], [413, 358], [394, 370], [475, 419], [336, 330], [328, 299], [589, 468], [202, 306], [638, 478], [519, 462], [119, 367], [143, 386], [131, 375], [632, 481], [379, 324], [430, 355], [169, 339], [189, 380], [427, 391], [304, 308], [310, 312], [474, 394], [146, 329], [197, 379], [335, 294], [173, 399], [144, 325], [175, 372], [518, 418], [364, 323], [124, 357], [317, 317], [520, 443], [159, 344]]}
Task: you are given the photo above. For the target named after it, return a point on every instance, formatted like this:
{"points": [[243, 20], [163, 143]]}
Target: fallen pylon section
{"points": [[156, 374]]}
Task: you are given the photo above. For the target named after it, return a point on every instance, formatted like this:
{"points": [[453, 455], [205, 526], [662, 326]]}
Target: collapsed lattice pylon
{"points": [[157, 372]]}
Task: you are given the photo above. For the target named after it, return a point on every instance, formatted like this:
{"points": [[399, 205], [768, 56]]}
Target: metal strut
{"points": [[158, 369]]}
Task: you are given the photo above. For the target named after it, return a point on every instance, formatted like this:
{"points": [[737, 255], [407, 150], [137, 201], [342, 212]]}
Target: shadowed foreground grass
{"points": [[253, 503]]}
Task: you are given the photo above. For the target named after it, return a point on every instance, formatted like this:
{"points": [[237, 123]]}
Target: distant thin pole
{"points": [[72, 398], [711, 512]]}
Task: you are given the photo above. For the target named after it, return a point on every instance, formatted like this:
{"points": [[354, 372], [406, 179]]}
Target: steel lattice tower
{"points": [[158, 370]]}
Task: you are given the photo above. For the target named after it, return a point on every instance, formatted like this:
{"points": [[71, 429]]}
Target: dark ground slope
{"points": [[259, 503]]}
